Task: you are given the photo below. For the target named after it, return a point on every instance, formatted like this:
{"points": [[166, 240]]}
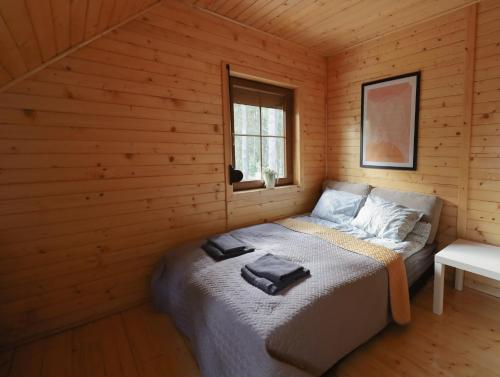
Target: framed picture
{"points": [[389, 122]]}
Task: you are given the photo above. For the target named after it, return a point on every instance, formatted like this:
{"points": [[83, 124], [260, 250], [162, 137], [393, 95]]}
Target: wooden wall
{"points": [[436, 48], [483, 212], [459, 131], [115, 153], [484, 185]]}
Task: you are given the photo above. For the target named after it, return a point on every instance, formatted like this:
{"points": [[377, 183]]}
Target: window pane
{"points": [[247, 156], [273, 154], [272, 122], [246, 119]]}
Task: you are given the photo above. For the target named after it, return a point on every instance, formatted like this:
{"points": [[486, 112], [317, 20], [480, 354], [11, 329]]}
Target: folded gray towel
{"points": [[217, 254], [226, 243], [274, 268], [268, 286]]}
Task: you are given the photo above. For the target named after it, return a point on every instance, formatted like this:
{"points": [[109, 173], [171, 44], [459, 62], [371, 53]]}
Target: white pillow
{"points": [[333, 202], [385, 219]]}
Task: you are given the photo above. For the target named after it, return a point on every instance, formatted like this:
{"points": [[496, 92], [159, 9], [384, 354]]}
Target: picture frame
{"points": [[389, 122]]}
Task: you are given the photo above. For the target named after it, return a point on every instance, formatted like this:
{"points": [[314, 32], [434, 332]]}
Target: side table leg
{"points": [[438, 288], [459, 279]]}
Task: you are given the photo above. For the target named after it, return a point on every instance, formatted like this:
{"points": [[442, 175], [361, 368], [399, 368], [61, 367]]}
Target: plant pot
{"points": [[269, 180]]}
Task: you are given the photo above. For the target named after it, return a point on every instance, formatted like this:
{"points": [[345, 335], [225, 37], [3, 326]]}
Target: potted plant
{"points": [[270, 176]]}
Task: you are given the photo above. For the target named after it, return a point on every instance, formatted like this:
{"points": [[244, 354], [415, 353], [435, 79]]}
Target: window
{"points": [[262, 131]]}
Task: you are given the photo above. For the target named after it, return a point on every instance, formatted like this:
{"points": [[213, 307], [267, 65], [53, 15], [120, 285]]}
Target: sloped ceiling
{"points": [[328, 26], [34, 31]]}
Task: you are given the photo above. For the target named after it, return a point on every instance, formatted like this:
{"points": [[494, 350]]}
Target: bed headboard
{"points": [[353, 188]]}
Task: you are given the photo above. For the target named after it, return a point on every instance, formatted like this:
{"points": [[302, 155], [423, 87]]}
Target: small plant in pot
{"points": [[270, 176]]}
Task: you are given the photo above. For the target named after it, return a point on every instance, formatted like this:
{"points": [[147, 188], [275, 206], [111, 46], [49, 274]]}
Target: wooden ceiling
{"points": [[34, 31], [328, 26]]}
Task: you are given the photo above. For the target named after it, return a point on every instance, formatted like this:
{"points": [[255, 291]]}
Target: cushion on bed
{"points": [[420, 232], [353, 188], [386, 220], [429, 205], [333, 203]]}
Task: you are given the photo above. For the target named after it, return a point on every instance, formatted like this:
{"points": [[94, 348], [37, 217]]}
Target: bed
{"points": [[238, 330]]}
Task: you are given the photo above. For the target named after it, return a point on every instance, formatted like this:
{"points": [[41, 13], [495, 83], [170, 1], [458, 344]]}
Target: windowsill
{"points": [[262, 191]]}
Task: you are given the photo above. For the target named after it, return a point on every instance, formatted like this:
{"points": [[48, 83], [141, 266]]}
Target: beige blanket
{"points": [[398, 284]]}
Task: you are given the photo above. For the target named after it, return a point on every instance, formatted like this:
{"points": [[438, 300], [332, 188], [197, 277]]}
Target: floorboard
{"points": [[5, 362], [464, 341]]}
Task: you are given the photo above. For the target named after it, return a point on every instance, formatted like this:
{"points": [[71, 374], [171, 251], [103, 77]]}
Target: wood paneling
{"points": [[329, 26], [34, 31], [459, 144], [114, 153], [141, 342], [436, 48], [484, 184], [483, 210], [470, 59]]}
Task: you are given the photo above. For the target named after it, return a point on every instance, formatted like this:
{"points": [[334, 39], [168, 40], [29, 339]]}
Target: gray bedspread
{"points": [[237, 330]]}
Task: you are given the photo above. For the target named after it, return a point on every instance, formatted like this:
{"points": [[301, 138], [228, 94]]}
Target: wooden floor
{"points": [[464, 341]]}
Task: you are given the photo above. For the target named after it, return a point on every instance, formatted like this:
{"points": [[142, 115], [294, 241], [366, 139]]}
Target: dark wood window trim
{"points": [[259, 94]]}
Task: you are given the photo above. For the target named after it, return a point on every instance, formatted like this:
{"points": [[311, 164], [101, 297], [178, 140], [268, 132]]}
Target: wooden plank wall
{"points": [[483, 216], [114, 154], [484, 184], [438, 49]]}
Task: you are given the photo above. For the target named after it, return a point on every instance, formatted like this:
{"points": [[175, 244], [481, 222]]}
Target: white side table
{"points": [[464, 255]]}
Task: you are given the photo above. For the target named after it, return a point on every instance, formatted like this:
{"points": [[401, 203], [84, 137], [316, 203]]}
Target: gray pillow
{"points": [[385, 219], [420, 232], [333, 203]]}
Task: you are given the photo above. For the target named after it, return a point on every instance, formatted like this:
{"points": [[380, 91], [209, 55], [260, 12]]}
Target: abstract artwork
{"points": [[389, 122]]}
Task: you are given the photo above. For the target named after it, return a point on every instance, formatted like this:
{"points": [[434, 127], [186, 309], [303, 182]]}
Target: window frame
{"points": [[289, 135]]}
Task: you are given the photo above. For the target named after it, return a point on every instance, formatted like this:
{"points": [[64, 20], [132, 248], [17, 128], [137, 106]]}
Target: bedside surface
{"points": [[472, 256]]}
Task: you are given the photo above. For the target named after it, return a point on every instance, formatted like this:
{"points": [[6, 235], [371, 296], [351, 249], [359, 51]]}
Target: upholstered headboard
{"points": [[353, 188]]}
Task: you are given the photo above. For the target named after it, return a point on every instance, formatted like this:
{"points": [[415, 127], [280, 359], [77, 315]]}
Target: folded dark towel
{"points": [[274, 269], [217, 254], [226, 243], [268, 286]]}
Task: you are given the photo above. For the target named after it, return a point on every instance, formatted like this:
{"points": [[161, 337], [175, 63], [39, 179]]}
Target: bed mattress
{"points": [[418, 263]]}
